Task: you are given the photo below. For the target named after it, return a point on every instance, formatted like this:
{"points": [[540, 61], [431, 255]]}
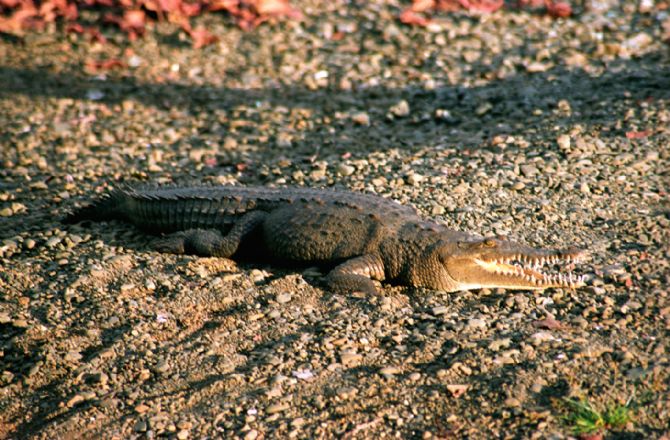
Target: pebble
{"points": [[284, 298], [140, 426], [541, 337], [345, 170], [350, 359], [251, 435], [439, 310], [278, 407], [389, 371], [400, 109], [564, 142], [361, 118], [476, 324]]}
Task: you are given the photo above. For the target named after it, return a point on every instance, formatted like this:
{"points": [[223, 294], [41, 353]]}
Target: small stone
{"points": [[140, 426], [457, 390], [346, 393], [518, 186], [414, 376], [141, 408], [438, 210], [415, 179], [483, 109], [345, 170], [5, 318], [276, 408], [283, 298], [439, 310], [563, 142], [512, 402], [350, 359], [361, 118], [75, 400], [528, 170], [541, 337], [251, 435], [20, 323], [53, 241], [161, 367], [401, 109], [297, 422], [476, 323], [183, 434], [6, 212], [389, 371], [29, 243], [73, 356]]}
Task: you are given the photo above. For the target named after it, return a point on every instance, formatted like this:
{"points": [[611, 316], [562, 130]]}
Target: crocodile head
{"points": [[494, 262]]}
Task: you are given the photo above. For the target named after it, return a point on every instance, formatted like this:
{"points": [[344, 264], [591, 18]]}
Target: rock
{"points": [[345, 170], [283, 298], [349, 359], [278, 407], [457, 390], [389, 371], [541, 337], [401, 109], [361, 118], [512, 402], [563, 142], [476, 324], [439, 310]]}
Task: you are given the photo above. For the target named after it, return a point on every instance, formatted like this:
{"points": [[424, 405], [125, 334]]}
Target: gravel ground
{"points": [[555, 132]]}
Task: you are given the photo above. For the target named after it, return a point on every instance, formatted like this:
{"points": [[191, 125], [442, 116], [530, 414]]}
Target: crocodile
{"points": [[362, 237]]}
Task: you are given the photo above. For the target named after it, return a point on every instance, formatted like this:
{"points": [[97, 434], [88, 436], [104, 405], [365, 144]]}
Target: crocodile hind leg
{"points": [[210, 242], [356, 275]]}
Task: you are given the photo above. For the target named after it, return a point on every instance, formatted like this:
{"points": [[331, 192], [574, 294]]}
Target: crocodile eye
{"points": [[489, 242]]}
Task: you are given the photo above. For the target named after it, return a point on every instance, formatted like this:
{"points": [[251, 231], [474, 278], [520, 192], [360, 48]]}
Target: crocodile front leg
{"points": [[356, 275], [210, 242]]}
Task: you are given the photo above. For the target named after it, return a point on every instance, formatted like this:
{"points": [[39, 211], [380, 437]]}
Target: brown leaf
{"points": [[548, 323]]}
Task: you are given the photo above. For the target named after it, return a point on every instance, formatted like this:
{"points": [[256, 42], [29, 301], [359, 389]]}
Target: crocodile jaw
{"points": [[494, 263]]}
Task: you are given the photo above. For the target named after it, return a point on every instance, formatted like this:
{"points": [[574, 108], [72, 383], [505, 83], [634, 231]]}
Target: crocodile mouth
{"points": [[534, 271]]}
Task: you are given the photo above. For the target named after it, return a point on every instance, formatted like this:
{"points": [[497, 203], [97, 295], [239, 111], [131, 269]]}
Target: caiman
{"points": [[362, 237]]}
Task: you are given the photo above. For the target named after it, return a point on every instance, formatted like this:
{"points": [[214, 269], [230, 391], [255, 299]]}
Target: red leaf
{"points": [[408, 16], [558, 9], [638, 134], [423, 5], [202, 37], [486, 6], [548, 323], [94, 66], [232, 6]]}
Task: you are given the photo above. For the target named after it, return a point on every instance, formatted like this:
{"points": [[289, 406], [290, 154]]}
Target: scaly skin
{"points": [[366, 237]]}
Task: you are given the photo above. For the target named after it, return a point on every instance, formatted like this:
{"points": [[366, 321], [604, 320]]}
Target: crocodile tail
{"points": [[107, 207]]}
